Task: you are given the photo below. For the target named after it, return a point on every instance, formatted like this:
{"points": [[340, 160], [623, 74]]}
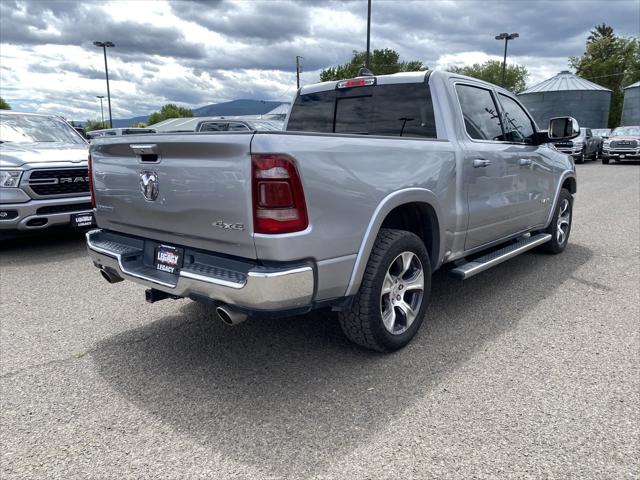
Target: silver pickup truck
{"points": [[377, 182], [43, 174]]}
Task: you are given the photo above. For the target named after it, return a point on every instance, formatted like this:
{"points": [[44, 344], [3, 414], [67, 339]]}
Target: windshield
{"points": [[627, 131], [27, 128]]}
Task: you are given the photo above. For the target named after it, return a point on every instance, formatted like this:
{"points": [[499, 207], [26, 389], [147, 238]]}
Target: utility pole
{"points": [[506, 37], [101, 109], [298, 57], [104, 46], [366, 62]]}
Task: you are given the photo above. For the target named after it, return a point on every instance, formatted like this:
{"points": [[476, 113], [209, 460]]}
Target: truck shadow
{"points": [[274, 393]]}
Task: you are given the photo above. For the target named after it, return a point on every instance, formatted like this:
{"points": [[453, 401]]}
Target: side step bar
{"points": [[496, 257]]}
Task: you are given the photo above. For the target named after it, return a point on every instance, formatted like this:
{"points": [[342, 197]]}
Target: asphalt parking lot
{"points": [[528, 370]]}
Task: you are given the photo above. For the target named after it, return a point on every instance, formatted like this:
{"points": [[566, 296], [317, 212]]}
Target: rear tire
{"points": [[560, 227], [393, 297]]}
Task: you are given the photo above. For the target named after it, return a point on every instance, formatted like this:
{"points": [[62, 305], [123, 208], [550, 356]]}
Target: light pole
{"points": [[506, 37], [101, 109], [366, 61], [298, 57], [104, 46]]}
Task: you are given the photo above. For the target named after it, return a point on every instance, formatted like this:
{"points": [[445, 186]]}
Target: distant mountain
{"points": [[234, 107], [127, 122]]}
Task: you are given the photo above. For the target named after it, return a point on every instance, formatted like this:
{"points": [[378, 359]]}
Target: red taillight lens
{"points": [[278, 198], [91, 190]]}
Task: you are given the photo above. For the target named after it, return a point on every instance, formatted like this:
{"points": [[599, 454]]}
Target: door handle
{"points": [[524, 162], [480, 162]]}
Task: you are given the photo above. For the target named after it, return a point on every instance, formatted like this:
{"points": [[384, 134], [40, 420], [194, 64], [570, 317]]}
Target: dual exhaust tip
{"points": [[226, 313], [230, 316]]}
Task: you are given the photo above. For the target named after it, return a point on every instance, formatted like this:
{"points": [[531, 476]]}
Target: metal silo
{"points": [[631, 106], [567, 94]]}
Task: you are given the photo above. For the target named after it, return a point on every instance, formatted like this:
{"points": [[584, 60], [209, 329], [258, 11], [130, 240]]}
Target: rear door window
{"points": [[480, 113], [397, 110]]}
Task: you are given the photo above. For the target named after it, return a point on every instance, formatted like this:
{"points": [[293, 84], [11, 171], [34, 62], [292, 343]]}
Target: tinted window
{"points": [[237, 127], [213, 127], [481, 118], [517, 124], [388, 110]]}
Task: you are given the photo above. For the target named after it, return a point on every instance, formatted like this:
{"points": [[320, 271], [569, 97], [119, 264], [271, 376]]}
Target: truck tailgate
{"points": [[203, 196]]}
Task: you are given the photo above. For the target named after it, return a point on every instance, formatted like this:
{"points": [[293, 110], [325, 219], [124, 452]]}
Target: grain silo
{"points": [[631, 106], [567, 94]]}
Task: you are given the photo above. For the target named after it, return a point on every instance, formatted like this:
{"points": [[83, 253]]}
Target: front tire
{"points": [[605, 161], [391, 303], [560, 227]]}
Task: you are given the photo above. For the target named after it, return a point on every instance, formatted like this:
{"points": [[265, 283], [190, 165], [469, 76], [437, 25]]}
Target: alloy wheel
{"points": [[402, 293], [564, 222]]}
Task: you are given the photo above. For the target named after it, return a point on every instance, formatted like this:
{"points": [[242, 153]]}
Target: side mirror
{"points": [[563, 128]]}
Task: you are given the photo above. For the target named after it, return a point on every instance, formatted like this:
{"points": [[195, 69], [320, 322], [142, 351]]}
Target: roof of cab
{"points": [[400, 77]]}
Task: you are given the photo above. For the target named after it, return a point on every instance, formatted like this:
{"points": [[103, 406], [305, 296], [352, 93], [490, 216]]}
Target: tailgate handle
{"points": [[147, 151], [145, 148]]}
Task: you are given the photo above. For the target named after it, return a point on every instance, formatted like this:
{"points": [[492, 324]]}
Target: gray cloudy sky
{"points": [[203, 52]]}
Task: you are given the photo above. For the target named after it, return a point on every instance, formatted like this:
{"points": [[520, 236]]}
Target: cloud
{"points": [[202, 52]]}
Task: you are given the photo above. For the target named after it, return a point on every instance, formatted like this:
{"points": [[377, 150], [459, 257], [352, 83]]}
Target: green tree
{"points": [[170, 110], [382, 62], [610, 61], [142, 124], [491, 71], [4, 105], [90, 125]]}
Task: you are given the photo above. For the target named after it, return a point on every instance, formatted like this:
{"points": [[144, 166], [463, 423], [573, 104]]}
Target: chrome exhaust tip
{"points": [[230, 316], [110, 277]]}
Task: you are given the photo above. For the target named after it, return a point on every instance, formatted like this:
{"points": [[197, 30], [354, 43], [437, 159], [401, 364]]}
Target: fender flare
{"points": [[388, 203], [566, 174]]}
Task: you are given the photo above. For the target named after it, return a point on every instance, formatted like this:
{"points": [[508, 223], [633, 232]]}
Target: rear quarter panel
{"points": [[345, 178]]}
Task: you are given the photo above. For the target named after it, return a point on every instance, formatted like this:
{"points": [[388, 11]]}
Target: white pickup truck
{"points": [[375, 183]]}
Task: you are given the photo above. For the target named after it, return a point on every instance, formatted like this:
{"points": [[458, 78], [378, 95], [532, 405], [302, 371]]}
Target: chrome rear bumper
{"points": [[238, 283]]}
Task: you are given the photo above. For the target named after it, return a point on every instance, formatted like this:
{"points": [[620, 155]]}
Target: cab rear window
{"points": [[397, 110]]}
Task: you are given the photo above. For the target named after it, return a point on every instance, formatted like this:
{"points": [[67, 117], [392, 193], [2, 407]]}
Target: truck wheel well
{"points": [[570, 184], [420, 219]]}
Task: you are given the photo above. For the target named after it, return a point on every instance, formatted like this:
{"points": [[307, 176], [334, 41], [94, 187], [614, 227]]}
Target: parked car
{"points": [[584, 146], [44, 181], [601, 132], [622, 144], [113, 132], [232, 125], [377, 182]]}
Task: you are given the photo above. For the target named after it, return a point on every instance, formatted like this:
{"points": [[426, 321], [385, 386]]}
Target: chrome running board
{"points": [[469, 269]]}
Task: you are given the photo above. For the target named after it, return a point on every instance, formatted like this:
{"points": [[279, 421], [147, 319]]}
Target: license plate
{"points": [[82, 220], [621, 156], [168, 259]]}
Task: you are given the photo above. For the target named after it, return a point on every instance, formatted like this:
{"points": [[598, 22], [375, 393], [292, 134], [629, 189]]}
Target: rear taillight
{"points": [[278, 198], [90, 175]]}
